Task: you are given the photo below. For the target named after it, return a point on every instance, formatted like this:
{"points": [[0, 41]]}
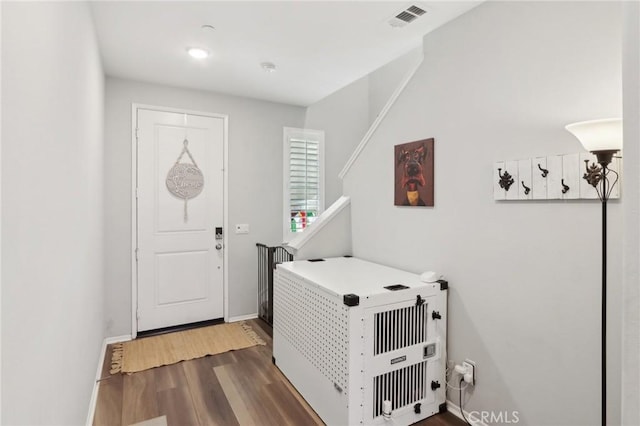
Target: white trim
{"points": [[455, 410], [134, 205], [225, 218], [298, 241], [0, 221], [93, 402], [365, 140], [630, 394], [243, 317], [134, 220], [118, 339], [96, 384]]}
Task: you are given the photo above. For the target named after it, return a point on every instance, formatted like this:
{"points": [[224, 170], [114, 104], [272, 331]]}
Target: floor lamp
{"points": [[603, 138]]}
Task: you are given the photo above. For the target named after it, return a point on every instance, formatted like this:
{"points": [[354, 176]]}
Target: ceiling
{"points": [[318, 47]]}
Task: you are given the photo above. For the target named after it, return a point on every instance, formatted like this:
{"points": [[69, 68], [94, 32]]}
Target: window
{"points": [[303, 179]]}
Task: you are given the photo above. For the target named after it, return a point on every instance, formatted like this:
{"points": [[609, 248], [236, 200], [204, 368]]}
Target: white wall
{"points": [[384, 81], [255, 186], [631, 213], [346, 115], [52, 212], [501, 82]]}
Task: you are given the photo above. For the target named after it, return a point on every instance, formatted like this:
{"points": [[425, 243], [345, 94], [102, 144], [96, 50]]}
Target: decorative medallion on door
{"points": [[184, 180]]}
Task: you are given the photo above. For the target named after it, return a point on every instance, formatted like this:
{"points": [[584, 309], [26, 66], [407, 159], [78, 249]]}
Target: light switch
{"points": [[242, 228]]}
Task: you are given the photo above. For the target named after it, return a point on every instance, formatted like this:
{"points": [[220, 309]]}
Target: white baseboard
{"points": [[96, 387], [243, 317], [455, 410], [96, 383], [117, 339]]}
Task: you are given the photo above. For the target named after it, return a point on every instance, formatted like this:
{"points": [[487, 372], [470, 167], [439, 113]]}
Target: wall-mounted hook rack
{"points": [[553, 177]]}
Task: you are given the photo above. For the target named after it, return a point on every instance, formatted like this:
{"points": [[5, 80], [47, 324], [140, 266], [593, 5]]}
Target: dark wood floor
{"points": [[235, 388]]}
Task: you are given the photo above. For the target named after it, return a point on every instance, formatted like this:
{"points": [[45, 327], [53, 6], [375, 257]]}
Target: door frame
{"points": [[134, 205]]}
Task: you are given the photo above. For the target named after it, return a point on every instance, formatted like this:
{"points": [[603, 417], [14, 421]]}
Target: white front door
{"points": [[179, 207]]}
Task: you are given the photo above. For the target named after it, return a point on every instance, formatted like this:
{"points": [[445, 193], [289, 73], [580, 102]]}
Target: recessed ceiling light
{"points": [[268, 66], [198, 53], [208, 27]]}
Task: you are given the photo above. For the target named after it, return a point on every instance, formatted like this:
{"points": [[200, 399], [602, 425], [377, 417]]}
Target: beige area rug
{"points": [[149, 352]]}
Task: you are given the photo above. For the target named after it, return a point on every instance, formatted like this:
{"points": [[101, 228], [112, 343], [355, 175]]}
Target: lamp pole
{"points": [[603, 138], [599, 178], [604, 307]]}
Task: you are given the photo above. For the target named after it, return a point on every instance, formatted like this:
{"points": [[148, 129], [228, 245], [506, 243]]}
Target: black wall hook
{"points": [[526, 188], [545, 172], [506, 180], [593, 173], [565, 188]]}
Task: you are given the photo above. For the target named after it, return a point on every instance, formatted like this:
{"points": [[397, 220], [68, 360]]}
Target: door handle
{"points": [[218, 246]]}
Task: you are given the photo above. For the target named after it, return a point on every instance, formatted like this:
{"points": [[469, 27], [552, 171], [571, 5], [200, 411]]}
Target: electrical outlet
{"points": [[470, 366]]}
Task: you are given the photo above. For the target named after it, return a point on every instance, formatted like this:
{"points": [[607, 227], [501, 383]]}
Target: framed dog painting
{"points": [[413, 163]]}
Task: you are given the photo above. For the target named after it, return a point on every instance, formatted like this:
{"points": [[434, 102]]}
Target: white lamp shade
{"points": [[598, 135]]}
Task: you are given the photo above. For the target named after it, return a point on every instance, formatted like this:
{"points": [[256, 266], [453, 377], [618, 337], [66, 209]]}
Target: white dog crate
{"points": [[363, 343]]}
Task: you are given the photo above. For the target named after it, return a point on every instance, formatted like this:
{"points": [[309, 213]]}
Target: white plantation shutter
{"points": [[303, 178], [304, 175]]}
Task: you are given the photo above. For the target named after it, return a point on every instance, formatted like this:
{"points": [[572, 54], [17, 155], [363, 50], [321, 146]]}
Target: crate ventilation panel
{"points": [[399, 328], [316, 325], [396, 329], [402, 387]]}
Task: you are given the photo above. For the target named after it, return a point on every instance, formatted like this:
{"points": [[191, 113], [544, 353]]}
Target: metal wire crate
{"points": [[268, 257]]}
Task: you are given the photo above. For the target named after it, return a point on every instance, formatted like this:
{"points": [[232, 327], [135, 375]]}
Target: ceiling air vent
{"points": [[406, 16], [416, 10]]}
